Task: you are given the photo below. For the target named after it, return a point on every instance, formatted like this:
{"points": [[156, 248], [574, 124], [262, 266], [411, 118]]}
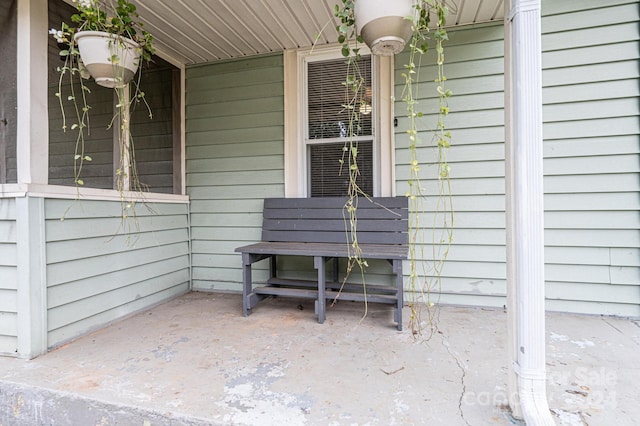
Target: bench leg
{"points": [[318, 263], [397, 269], [246, 284]]}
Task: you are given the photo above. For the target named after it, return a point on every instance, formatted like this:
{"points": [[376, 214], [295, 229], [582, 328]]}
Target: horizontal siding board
{"points": [[588, 110], [589, 36], [592, 220], [591, 91], [8, 255], [8, 345], [594, 128], [238, 233], [235, 107], [8, 231], [70, 313], [94, 286], [239, 206], [587, 73], [620, 238], [82, 209], [618, 182], [8, 325], [236, 178], [61, 273], [626, 275], [63, 251], [71, 331], [594, 201], [226, 219], [230, 150], [7, 209], [110, 228], [623, 144], [230, 80], [593, 308], [230, 136], [589, 54], [8, 301], [463, 170], [265, 119], [8, 277], [606, 293], [233, 192], [625, 256], [556, 14], [266, 162], [212, 95]]}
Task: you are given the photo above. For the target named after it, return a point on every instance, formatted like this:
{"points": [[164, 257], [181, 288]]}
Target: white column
{"points": [[525, 210], [33, 122], [32, 280]]}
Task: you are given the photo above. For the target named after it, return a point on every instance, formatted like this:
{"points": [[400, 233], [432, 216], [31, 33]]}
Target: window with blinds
{"points": [[327, 131]]}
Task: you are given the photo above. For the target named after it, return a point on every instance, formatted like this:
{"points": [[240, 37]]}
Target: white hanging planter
{"points": [[111, 60], [383, 24]]}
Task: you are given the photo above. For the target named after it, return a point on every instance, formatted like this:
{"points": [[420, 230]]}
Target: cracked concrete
{"points": [[196, 360]]}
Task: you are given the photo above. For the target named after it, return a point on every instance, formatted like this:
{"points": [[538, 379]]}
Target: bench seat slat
{"points": [[333, 225], [372, 251], [337, 213], [333, 203], [390, 238]]}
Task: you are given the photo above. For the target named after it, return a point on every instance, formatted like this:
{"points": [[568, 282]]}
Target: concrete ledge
{"points": [[31, 405]]}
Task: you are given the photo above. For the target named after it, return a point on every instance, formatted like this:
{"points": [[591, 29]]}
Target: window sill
{"points": [[69, 192]]}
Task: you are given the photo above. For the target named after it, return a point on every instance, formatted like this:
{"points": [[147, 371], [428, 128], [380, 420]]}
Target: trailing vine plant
{"points": [[423, 283], [120, 18], [354, 89], [423, 280]]}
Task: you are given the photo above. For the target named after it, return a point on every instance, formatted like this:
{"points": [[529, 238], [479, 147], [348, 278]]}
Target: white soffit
{"points": [[197, 31]]}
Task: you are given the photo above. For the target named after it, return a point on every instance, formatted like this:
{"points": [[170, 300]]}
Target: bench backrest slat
{"points": [[384, 220]]}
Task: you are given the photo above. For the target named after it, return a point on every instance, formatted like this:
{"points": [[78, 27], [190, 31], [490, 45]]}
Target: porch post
{"points": [[32, 168], [32, 280], [33, 124], [525, 211]]}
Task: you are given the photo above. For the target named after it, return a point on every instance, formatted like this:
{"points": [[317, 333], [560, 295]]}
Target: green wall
{"points": [[235, 159], [591, 147], [591, 164], [100, 269]]}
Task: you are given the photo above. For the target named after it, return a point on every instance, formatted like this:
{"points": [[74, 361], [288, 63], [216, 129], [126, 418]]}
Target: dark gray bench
{"points": [[316, 227]]}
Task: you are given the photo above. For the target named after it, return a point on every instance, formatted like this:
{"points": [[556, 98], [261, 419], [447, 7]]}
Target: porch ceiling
{"points": [[197, 31]]}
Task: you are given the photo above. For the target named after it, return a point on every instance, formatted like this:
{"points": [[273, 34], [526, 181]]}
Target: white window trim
{"points": [[295, 162]]}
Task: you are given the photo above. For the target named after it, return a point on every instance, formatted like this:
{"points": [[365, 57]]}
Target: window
{"points": [[156, 141], [327, 124], [315, 124], [8, 92]]}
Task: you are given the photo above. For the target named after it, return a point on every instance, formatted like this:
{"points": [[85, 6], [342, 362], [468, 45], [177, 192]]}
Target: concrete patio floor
{"points": [[195, 360]]}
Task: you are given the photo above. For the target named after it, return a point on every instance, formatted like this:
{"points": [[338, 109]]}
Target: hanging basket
{"points": [[111, 60], [383, 24]]}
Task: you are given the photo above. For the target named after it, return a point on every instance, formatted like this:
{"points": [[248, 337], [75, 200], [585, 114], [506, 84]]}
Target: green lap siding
{"points": [[235, 159], [591, 159], [96, 274], [592, 156], [8, 278]]}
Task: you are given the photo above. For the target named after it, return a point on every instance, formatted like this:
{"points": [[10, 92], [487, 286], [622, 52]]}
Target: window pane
{"points": [[8, 92], [326, 96], [153, 139], [97, 173], [329, 178]]}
